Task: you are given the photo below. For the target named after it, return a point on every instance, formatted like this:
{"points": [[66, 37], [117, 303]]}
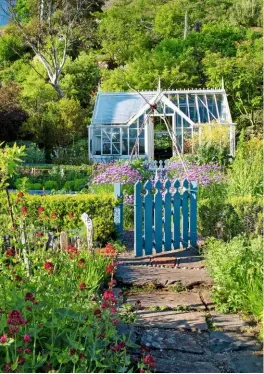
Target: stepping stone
{"points": [[167, 299], [172, 320], [171, 340], [179, 362], [247, 362], [206, 298], [228, 322], [139, 276], [231, 341]]}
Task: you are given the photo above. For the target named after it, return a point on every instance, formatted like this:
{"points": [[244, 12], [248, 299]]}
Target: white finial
{"points": [[159, 85], [223, 84]]}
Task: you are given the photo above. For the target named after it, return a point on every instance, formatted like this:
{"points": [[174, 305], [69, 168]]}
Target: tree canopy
{"points": [[53, 58]]}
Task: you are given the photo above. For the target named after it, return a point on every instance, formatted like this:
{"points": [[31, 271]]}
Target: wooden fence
{"points": [[164, 220]]}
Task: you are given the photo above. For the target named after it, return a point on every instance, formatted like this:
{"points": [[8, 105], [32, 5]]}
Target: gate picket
{"points": [[158, 217], [138, 234], [167, 216], [176, 215], [148, 230], [193, 214], [154, 217], [185, 218]]}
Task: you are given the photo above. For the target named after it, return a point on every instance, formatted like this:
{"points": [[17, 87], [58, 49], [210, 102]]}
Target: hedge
{"points": [[99, 207], [226, 219]]}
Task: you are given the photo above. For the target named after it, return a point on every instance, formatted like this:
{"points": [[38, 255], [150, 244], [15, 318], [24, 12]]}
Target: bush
{"points": [[236, 268], [246, 175], [99, 208], [34, 155], [51, 185], [69, 186], [79, 184], [226, 219], [22, 184], [35, 186]]}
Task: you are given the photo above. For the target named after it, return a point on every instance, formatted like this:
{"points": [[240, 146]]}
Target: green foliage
{"points": [[99, 207], [210, 153], [225, 219], [51, 185], [246, 173], [62, 325], [237, 271], [10, 47], [10, 158], [34, 155]]}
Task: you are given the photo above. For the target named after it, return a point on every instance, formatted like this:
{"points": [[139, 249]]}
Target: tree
{"points": [[242, 75], [52, 28], [11, 113]]}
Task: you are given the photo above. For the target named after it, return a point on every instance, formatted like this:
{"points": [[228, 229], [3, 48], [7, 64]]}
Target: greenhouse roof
{"points": [[121, 107]]}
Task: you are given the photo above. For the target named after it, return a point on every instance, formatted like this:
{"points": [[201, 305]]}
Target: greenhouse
{"points": [[126, 124]]}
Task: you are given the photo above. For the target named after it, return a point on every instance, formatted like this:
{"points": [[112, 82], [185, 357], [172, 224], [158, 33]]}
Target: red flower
{"points": [[13, 330], [30, 297], [70, 214], [24, 210], [20, 350], [97, 312], [3, 338], [81, 263], [113, 309], [104, 305], [15, 318], [10, 252], [109, 296], [49, 266], [26, 338], [110, 269], [82, 286], [150, 361], [20, 194], [54, 215], [144, 348], [41, 209], [142, 371], [81, 356], [110, 249], [47, 367], [72, 351], [18, 278], [39, 234], [29, 307], [21, 360], [114, 321], [73, 251], [7, 367], [28, 350]]}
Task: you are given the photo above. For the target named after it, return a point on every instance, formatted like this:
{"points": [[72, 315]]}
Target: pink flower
{"points": [[7, 367], [15, 318], [150, 361], [114, 321], [13, 330], [113, 309], [26, 338], [3, 338], [109, 296], [104, 305], [28, 350]]}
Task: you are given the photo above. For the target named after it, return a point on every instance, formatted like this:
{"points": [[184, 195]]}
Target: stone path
{"points": [[176, 320]]}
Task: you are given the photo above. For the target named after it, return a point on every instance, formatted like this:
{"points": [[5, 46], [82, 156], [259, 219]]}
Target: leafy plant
{"points": [[237, 270]]}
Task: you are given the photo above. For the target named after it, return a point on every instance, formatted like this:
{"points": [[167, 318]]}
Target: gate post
{"points": [[119, 209]]}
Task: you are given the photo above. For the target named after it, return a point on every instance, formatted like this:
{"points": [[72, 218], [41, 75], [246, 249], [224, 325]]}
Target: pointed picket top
{"points": [[158, 185], [177, 184], [193, 185], [148, 185], [167, 184], [185, 184], [138, 185]]}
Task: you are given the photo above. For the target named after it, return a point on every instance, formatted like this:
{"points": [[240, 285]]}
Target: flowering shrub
{"points": [[114, 173], [55, 320], [203, 174]]}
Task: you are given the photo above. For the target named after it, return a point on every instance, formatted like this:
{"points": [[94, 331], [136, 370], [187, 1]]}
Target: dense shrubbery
{"points": [[56, 212], [237, 270]]}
